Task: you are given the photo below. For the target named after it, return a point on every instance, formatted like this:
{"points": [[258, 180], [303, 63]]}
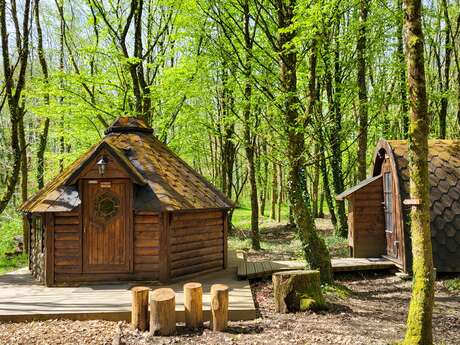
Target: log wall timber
{"points": [[147, 228], [367, 236], [196, 242], [67, 243]]}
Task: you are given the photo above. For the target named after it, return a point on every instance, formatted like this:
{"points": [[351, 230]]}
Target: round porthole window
{"points": [[106, 205]]}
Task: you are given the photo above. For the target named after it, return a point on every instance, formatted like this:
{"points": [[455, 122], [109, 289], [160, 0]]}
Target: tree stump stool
{"points": [[163, 312], [297, 291], [219, 307], [140, 308], [193, 304]]}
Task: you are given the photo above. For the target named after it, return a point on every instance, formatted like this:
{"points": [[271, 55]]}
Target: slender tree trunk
{"points": [[363, 110], [46, 123], [404, 111], [24, 176], [315, 251], [312, 114], [446, 83], [13, 91], [274, 194], [263, 176], [419, 320], [280, 193], [341, 228], [327, 190], [321, 205], [249, 140], [61, 82]]}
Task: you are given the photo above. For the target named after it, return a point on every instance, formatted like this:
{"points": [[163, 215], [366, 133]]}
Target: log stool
{"points": [[140, 308], [297, 291], [163, 312], [219, 307], [193, 304]]}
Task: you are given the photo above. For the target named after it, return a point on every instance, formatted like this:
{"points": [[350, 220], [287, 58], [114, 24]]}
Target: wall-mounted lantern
{"points": [[102, 165]]}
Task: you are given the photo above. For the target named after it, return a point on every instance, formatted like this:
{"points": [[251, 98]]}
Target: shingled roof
{"points": [[164, 182], [444, 178]]}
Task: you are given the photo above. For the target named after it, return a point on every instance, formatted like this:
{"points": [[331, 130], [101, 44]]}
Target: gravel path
{"points": [[374, 314]]}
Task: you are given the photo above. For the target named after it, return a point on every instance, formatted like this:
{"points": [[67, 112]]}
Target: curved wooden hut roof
{"points": [[444, 179], [163, 181]]}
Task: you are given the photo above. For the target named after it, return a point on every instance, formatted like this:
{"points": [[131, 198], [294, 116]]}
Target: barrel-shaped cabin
{"points": [[379, 207], [128, 209]]}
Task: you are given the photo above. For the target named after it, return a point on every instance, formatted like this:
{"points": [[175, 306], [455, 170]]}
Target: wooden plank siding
{"points": [[367, 236], [147, 229], [67, 243], [197, 242]]}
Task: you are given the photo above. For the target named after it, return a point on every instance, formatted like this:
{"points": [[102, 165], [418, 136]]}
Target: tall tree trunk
{"points": [[263, 176], [362, 95], [419, 319], [404, 111], [61, 82], [274, 193], [334, 96], [446, 83], [46, 123], [13, 91], [312, 113], [24, 175], [321, 205], [249, 140], [315, 251], [280, 192]]}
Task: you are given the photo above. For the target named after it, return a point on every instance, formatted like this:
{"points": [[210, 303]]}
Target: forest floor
{"points": [[279, 241], [367, 309]]}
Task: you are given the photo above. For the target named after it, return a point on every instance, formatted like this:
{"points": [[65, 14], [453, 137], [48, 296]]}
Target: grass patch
{"points": [[279, 239], [453, 285], [8, 229]]}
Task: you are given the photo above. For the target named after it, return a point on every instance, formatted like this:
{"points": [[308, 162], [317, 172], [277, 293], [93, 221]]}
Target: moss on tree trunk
{"points": [[419, 320], [297, 291], [315, 251]]}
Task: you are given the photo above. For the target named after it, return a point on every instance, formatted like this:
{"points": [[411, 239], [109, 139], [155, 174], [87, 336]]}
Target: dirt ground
{"points": [[374, 313]]}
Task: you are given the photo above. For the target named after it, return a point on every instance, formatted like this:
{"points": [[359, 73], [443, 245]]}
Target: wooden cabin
{"points": [[379, 206], [128, 209]]}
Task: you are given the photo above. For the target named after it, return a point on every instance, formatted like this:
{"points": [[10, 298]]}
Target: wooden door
{"points": [[106, 225], [389, 210]]}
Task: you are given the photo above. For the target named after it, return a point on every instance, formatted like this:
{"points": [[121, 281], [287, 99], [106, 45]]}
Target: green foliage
{"points": [[8, 229], [276, 238], [453, 285]]}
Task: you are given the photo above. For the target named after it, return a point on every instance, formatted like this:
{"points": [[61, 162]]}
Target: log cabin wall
{"points": [[147, 229], [37, 247], [67, 244], [197, 242], [368, 234]]}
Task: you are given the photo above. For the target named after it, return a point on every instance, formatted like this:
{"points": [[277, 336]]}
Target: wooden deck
{"points": [[262, 269], [24, 299]]}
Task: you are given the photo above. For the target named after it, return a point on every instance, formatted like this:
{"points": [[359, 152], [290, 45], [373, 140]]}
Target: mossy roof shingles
{"points": [[168, 182], [444, 179]]}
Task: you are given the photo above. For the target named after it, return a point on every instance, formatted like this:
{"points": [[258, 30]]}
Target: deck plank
{"points": [[251, 270]]}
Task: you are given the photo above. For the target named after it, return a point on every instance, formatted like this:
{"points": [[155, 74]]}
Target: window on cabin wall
{"points": [[388, 200]]}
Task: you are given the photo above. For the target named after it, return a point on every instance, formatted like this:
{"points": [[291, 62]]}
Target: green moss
{"points": [[453, 285], [304, 293], [336, 290]]}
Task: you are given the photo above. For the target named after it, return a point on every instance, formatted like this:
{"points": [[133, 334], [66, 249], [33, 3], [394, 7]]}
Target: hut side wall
{"points": [[368, 234], [147, 228], [37, 247], [197, 242], [67, 243]]}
